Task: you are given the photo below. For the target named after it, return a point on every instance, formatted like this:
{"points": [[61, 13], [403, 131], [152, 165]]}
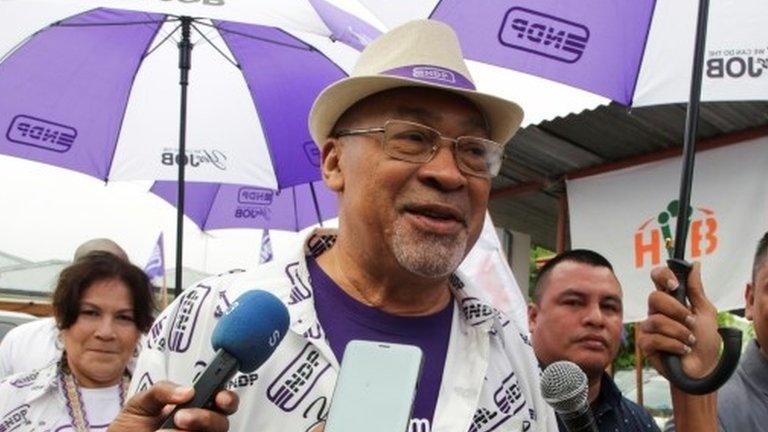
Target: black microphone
{"points": [[244, 338], [564, 386]]}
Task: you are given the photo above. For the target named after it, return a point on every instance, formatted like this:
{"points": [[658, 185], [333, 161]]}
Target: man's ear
{"points": [[533, 315], [749, 302], [330, 168]]}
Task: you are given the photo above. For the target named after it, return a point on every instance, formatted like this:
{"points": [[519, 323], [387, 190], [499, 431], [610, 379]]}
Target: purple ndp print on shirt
{"points": [[597, 48], [25, 380], [183, 326], [15, 418], [344, 319], [294, 383]]}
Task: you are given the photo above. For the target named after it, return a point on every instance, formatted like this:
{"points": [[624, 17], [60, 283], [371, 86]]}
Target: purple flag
{"points": [[156, 265], [344, 26]]}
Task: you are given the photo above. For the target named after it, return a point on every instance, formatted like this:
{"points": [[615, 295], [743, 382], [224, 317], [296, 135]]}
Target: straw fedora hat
{"points": [[421, 53]]}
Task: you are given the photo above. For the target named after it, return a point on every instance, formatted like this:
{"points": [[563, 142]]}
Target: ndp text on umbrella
{"points": [[544, 35], [255, 196], [40, 133]]}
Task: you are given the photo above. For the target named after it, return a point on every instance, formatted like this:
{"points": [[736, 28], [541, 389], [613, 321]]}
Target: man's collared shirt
{"points": [[742, 403], [615, 413], [490, 379]]}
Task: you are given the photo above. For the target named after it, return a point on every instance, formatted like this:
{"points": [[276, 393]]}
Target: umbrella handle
{"points": [[731, 347]]}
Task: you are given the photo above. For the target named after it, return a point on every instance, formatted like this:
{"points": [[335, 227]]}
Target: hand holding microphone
{"points": [[144, 411], [244, 338]]}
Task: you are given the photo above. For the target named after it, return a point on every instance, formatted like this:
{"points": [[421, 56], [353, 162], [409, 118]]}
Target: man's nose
{"points": [[594, 316], [443, 169]]}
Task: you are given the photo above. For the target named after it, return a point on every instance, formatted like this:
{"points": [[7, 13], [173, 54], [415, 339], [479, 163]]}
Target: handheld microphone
{"points": [[244, 338], [564, 387]]}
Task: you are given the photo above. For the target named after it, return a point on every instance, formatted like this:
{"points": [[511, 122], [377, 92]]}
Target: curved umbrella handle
{"points": [[731, 347]]}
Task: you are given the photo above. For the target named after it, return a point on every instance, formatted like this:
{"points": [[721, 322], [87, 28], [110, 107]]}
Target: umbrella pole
{"points": [[314, 200], [689, 136], [185, 63], [731, 337]]}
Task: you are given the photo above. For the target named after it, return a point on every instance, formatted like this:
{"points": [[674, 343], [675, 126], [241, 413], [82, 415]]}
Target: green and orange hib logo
{"points": [[651, 239]]}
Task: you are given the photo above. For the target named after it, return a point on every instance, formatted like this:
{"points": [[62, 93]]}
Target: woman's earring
{"points": [[59, 341]]}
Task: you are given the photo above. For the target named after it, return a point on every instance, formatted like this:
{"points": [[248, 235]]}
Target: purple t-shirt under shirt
{"points": [[344, 319]]}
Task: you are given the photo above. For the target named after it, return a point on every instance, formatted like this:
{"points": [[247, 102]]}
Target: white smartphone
{"points": [[376, 387]]}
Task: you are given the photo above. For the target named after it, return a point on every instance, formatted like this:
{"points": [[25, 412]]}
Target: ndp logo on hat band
{"points": [[433, 74]]}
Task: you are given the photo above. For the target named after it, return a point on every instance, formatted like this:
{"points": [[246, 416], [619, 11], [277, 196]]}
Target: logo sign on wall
{"points": [[630, 217], [654, 235]]}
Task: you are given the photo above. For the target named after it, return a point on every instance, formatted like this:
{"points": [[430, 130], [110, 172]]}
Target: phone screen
{"points": [[376, 387]]}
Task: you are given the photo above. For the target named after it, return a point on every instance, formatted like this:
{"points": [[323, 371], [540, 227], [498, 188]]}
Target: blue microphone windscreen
{"points": [[252, 328]]}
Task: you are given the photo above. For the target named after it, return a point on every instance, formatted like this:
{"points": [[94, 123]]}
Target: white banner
{"points": [[626, 215], [486, 265]]}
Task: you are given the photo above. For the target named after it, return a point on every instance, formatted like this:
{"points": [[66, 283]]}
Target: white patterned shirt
{"points": [[490, 379]]}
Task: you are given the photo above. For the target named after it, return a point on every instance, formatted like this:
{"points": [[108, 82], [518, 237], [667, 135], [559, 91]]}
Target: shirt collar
{"points": [[36, 383], [755, 365], [609, 396]]}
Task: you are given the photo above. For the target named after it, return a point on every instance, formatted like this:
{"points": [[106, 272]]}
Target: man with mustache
{"points": [[411, 148], [576, 315]]}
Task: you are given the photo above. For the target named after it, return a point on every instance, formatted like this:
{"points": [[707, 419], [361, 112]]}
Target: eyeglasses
{"points": [[414, 142]]}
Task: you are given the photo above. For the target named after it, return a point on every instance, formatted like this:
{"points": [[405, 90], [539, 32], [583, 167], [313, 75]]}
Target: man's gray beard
{"points": [[426, 254]]}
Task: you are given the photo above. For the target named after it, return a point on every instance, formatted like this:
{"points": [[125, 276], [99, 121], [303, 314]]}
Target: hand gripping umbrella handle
{"points": [[731, 347]]}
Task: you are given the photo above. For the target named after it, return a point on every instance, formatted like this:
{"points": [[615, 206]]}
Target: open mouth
{"points": [[437, 218]]}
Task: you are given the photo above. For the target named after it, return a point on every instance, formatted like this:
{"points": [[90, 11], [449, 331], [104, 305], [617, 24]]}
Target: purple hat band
{"points": [[433, 75]]}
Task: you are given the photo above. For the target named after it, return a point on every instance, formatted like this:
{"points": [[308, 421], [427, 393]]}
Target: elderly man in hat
{"points": [[411, 148]]}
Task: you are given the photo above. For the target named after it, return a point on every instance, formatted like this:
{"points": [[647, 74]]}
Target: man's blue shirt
{"points": [[615, 413]]}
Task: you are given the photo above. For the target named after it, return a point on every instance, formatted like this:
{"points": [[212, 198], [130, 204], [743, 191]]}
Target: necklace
{"points": [[75, 405], [366, 300]]}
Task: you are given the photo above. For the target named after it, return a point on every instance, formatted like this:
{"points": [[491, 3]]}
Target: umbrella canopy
{"points": [[615, 48], [635, 52], [217, 206], [98, 93], [300, 15]]}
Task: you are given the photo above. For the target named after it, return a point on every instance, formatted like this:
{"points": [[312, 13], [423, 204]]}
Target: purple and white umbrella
{"points": [[219, 206], [98, 92], [635, 52]]}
